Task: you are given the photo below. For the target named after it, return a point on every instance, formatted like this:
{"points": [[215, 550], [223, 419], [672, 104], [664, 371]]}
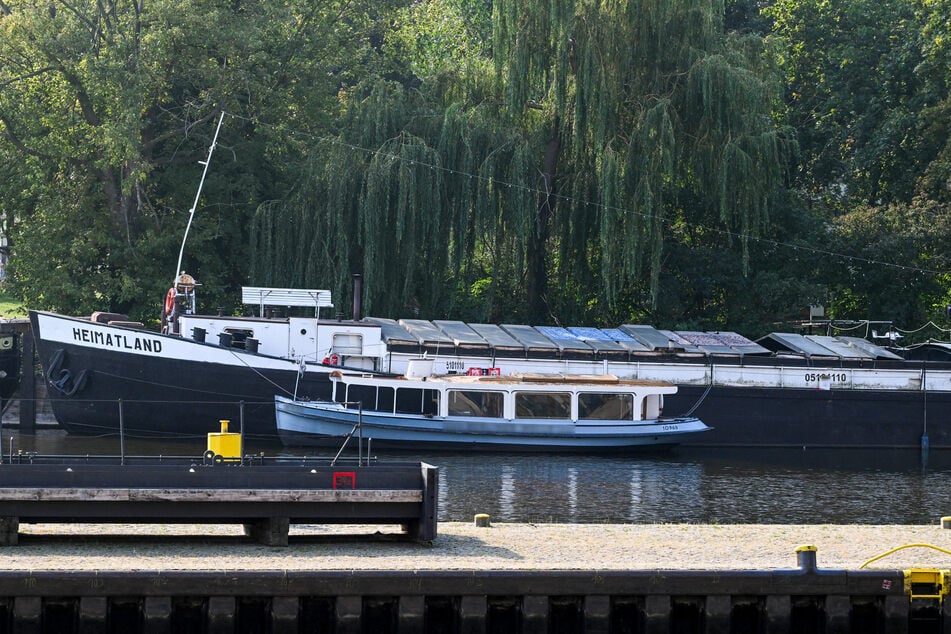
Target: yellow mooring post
{"points": [[224, 446]]}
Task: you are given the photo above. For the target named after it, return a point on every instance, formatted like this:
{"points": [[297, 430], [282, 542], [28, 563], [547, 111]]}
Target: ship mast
{"points": [[191, 212]]}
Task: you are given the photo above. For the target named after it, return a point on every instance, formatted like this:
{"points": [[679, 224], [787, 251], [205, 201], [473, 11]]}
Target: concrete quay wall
{"points": [[457, 601], [502, 578]]}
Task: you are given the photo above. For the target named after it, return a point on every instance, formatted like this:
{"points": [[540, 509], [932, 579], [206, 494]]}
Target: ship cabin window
{"points": [[474, 403], [348, 344], [416, 401], [239, 336], [605, 406], [543, 405], [367, 396]]}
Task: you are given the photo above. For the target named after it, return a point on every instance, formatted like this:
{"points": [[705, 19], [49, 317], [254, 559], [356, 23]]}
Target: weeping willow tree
{"points": [[413, 193], [539, 170], [660, 123]]}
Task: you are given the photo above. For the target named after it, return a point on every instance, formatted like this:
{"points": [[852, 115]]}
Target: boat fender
{"points": [[170, 301], [334, 359]]}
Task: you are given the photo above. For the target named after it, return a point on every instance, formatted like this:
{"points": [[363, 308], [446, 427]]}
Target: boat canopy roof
{"points": [[462, 334], [627, 340], [262, 296], [929, 351], [392, 332], [825, 346], [497, 338], [443, 336]]}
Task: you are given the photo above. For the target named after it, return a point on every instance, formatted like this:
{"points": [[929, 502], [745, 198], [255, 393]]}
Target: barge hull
{"points": [[804, 418], [171, 393]]}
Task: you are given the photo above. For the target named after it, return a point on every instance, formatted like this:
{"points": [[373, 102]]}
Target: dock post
{"points": [[472, 612], [779, 612], [597, 613], [656, 613], [27, 614], [28, 386], [534, 614], [220, 614], [9, 531], [347, 612], [718, 608], [837, 609], [285, 615], [241, 430], [412, 614], [121, 434], [157, 615], [93, 612], [272, 531]]}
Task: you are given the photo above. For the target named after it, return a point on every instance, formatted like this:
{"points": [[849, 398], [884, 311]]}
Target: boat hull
{"points": [[182, 388], [804, 418], [161, 385], [329, 424]]}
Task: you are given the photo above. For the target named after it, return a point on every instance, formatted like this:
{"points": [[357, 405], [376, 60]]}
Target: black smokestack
{"points": [[357, 294]]}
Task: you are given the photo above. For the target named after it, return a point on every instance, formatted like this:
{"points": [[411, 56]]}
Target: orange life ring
{"points": [[169, 301]]}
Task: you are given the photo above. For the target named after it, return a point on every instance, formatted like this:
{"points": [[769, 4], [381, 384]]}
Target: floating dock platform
{"points": [[265, 495]]}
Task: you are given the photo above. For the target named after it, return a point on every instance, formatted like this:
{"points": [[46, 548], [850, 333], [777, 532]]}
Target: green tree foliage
{"points": [[935, 116], [116, 103], [576, 160], [868, 94], [894, 263], [595, 131], [857, 94]]}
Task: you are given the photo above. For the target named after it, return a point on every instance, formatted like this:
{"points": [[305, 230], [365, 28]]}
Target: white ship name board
{"points": [[121, 341]]}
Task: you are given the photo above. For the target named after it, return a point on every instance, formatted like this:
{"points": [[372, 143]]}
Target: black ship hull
{"points": [[171, 393], [167, 386], [805, 418]]}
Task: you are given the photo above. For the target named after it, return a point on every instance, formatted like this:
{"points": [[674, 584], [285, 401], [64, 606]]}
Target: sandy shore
{"points": [[463, 546]]}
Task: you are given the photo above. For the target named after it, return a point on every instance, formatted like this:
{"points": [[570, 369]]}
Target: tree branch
{"points": [[18, 143]]}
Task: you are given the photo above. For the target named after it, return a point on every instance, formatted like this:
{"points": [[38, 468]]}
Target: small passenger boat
{"points": [[520, 412]]}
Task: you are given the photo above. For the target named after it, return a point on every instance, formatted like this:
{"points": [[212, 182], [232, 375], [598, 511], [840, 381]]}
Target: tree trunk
{"points": [[537, 256]]}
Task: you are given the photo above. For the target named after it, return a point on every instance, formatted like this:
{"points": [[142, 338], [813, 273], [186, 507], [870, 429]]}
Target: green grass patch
{"points": [[10, 307]]}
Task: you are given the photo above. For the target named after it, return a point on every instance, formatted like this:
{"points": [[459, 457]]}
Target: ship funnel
{"points": [[357, 294]]}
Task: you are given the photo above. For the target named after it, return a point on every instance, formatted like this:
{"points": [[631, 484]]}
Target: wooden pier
{"points": [[264, 495]]}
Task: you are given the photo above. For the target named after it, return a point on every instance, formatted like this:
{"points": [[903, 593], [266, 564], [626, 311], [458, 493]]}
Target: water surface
{"points": [[727, 486]]}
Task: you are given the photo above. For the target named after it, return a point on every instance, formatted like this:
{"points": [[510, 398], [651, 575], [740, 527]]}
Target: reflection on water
{"points": [[698, 486]]}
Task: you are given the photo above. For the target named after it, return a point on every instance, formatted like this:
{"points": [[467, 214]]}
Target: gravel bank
{"points": [[462, 546]]}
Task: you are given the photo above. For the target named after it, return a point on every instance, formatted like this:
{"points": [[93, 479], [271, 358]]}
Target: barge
{"points": [[783, 390]]}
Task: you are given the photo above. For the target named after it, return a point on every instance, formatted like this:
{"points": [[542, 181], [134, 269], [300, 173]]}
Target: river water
{"points": [[682, 485]]}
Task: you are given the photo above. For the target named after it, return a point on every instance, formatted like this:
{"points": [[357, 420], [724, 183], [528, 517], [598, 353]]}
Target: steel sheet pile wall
{"points": [[803, 600]]}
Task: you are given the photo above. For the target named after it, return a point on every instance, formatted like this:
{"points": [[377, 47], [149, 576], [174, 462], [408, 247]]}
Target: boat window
{"points": [[415, 401], [384, 399], [365, 395], [542, 405], [605, 406], [472, 403], [348, 344]]}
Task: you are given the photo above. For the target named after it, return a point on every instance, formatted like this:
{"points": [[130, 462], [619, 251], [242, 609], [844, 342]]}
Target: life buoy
{"points": [[170, 301]]}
